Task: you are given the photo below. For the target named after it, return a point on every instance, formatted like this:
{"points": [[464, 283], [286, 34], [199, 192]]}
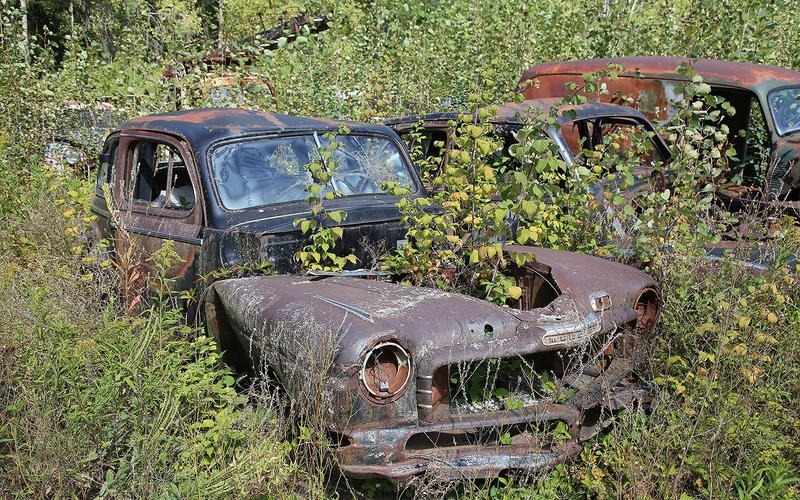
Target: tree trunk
{"points": [[23, 4], [220, 20]]}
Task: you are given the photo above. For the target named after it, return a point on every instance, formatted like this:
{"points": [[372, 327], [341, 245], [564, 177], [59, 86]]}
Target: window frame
{"points": [[415, 183], [126, 192]]}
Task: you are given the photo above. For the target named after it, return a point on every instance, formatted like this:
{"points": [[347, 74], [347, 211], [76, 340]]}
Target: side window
{"points": [[630, 140], [574, 140], [427, 147], [757, 149], [621, 137], [106, 171], [425, 143], [159, 177]]}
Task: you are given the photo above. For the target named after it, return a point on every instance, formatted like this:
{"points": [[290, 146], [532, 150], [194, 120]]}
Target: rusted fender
{"points": [[586, 274]]}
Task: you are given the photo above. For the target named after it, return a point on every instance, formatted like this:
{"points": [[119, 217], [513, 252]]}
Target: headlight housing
{"points": [[386, 371]]}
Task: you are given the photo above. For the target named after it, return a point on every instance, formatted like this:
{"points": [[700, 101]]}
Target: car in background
{"points": [[410, 379], [765, 130], [578, 128], [76, 135]]}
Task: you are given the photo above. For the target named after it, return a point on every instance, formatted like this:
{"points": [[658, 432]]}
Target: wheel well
{"points": [[215, 319]]}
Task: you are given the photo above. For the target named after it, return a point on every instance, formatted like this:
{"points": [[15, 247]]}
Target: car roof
{"points": [[207, 125], [510, 113], [714, 72]]}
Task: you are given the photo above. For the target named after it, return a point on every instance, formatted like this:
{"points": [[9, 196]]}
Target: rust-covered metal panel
{"points": [[714, 72], [764, 97], [649, 81], [289, 322]]}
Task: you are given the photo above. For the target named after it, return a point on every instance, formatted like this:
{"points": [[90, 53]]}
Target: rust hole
{"points": [[338, 440], [647, 309], [440, 388]]}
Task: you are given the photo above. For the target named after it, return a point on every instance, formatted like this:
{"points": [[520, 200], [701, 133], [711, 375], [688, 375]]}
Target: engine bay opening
{"points": [[538, 286], [647, 309]]}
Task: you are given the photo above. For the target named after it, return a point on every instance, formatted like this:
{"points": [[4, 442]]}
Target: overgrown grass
{"points": [[95, 402]]}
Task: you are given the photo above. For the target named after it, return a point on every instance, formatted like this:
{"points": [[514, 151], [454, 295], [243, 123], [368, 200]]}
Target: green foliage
{"points": [[559, 209], [460, 247], [321, 253], [95, 403], [528, 195], [680, 219]]}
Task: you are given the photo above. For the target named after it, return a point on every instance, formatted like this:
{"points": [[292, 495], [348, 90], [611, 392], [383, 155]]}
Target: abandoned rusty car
{"points": [[764, 130], [575, 128], [419, 379]]}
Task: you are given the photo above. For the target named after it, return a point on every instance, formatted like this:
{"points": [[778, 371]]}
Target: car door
{"points": [[158, 199], [106, 179]]}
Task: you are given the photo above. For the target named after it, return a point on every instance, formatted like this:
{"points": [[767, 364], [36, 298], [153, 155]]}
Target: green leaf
{"points": [[541, 145], [336, 216]]}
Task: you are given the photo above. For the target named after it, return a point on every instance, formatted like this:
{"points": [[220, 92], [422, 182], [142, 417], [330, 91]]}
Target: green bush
{"points": [[96, 403]]}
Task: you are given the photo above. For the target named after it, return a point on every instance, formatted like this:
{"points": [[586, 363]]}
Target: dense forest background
{"points": [[103, 399]]}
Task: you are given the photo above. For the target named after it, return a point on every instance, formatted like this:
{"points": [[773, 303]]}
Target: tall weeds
{"points": [[95, 402]]}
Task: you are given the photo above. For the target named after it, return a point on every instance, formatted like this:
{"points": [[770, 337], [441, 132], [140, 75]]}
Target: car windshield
{"points": [[785, 107], [266, 171]]}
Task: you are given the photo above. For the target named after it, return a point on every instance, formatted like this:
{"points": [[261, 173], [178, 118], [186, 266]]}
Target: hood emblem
{"points": [[572, 334]]}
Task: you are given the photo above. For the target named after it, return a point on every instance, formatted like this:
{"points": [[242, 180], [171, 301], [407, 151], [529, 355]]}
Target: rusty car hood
{"points": [[363, 312], [270, 233]]}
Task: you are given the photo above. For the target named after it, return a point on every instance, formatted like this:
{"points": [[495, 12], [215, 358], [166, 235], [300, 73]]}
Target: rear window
{"points": [[267, 171]]}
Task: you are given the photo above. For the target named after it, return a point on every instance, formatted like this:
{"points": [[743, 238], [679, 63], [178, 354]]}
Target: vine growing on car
{"points": [[322, 226]]}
